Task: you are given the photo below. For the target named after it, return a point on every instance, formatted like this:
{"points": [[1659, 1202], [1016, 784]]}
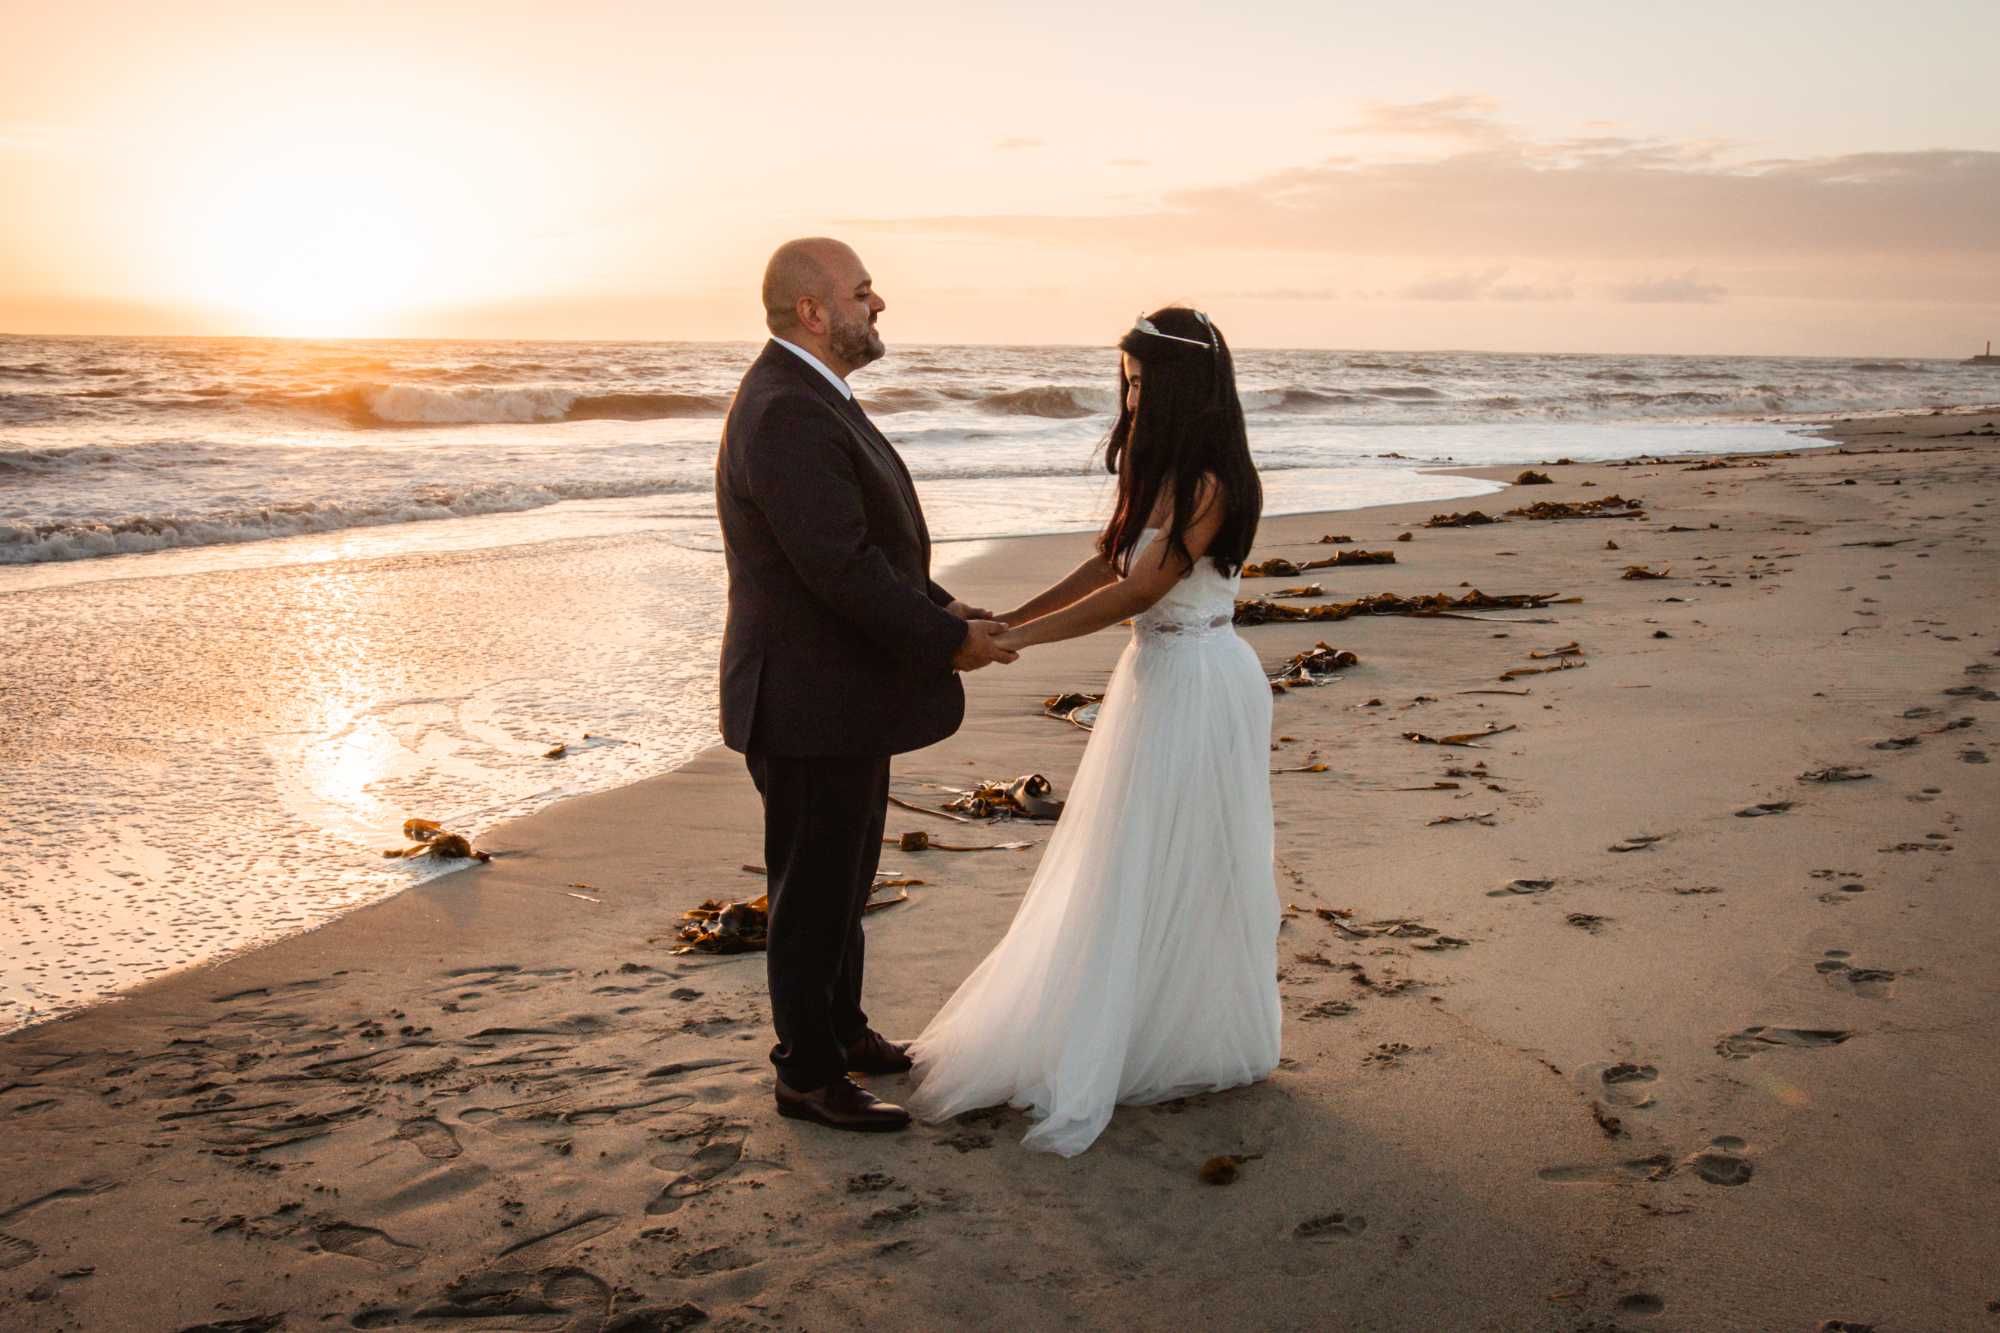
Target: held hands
{"points": [[981, 646], [966, 612]]}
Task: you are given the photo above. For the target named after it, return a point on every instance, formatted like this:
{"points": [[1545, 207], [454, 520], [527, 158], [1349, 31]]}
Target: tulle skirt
{"points": [[1142, 963]]}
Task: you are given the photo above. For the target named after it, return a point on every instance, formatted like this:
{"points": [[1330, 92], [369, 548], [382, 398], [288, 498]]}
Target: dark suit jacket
{"points": [[837, 641]]}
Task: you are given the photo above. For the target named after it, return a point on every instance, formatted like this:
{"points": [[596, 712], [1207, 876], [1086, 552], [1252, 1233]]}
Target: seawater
{"points": [[262, 600]]}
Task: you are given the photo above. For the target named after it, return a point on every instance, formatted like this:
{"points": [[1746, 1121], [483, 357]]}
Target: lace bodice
{"points": [[1203, 603]]}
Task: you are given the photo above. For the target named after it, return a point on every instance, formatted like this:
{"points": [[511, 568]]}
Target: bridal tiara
{"points": [[1145, 325]]}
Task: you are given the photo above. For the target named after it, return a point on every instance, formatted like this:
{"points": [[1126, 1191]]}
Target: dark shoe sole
{"points": [[852, 1126]]}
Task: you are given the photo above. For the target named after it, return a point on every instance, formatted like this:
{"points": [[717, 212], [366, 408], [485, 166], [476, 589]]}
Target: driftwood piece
{"points": [[1611, 506], [1077, 709], [1570, 649], [1561, 664], [1301, 590], [1260, 611], [432, 840], [719, 926], [1314, 666], [1030, 796], [1335, 539], [926, 810], [1470, 519], [1464, 738], [1643, 572], [916, 840], [1277, 567]]}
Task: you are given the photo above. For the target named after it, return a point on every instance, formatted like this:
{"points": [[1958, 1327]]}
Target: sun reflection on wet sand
{"points": [[222, 759]]}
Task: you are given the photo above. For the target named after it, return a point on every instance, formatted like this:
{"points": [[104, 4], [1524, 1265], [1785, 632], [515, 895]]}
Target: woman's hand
{"points": [[1012, 640]]}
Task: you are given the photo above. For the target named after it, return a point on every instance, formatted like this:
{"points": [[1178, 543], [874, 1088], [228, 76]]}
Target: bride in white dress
{"points": [[1142, 964]]}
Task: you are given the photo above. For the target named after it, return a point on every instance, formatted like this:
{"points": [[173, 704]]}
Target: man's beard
{"points": [[857, 344]]}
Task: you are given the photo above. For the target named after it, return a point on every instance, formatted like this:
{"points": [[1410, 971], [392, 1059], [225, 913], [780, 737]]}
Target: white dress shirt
{"points": [[817, 364]]}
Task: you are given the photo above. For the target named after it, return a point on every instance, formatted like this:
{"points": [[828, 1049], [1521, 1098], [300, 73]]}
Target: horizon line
{"points": [[1064, 346]]}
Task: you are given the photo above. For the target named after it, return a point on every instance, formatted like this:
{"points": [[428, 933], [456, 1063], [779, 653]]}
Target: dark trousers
{"points": [[823, 821]]}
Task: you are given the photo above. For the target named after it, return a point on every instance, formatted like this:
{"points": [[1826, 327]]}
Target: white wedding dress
{"points": [[1142, 965]]}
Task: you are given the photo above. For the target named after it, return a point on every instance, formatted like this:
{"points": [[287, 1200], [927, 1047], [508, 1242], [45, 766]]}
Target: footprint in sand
{"points": [[1758, 1039], [14, 1251], [568, 1236], [359, 1242], [1521, 887], [1764, 808], [1637, 842], [497, 1295], [1657, 1166], [1722, 1162], [718, 1154], [431, 1138], [1331, 1226], [1870, 983], [1587, 922], [1627, 1085], [1843, 893], [1641, 1303]]}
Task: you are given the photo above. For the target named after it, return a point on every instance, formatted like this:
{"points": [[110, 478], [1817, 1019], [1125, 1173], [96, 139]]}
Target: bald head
{"points": [[818, 295], [809, 267]]}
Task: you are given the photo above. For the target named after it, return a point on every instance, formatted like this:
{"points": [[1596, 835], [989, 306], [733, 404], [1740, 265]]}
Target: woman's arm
{"points": [[1152, 577], [1086, 578]]}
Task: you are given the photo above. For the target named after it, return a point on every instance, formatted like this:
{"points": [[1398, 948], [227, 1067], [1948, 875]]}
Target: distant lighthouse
{"points": [[1985, 359]]}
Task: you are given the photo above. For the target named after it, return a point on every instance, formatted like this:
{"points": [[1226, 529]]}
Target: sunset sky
{"points": [[1780, 178]]}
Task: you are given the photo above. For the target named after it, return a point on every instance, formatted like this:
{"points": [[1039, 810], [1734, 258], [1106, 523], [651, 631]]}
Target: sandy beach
{"points": [[1613, 1019]]}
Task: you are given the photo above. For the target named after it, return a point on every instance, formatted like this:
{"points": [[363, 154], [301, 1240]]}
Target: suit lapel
{"points": [[863, 430]]}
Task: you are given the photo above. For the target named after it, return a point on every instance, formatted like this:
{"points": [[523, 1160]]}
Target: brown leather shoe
{"points": [[873, 1053], [842, 1104]]}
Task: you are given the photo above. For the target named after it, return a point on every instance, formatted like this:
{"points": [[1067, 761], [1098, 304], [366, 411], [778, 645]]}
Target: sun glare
{"points": [[288, 253]]}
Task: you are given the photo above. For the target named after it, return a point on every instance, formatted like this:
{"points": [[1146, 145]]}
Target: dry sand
{"points": [[1738, 1077]]}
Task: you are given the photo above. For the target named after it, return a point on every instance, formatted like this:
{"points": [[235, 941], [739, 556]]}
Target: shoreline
{"points": [[372, 1178], [952, 553]]}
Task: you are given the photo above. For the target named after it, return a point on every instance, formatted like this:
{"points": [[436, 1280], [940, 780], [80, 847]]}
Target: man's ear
{"points": [[810, 317]]}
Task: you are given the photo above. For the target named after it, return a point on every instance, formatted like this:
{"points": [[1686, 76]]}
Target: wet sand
{"points": [[1667, 1037]]}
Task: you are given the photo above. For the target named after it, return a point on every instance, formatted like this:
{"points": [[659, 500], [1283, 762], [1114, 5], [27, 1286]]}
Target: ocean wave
{"points": [[22, 409], [1403, 391], [376, 405], [1059, 401], [36, 543], [899, 398]]}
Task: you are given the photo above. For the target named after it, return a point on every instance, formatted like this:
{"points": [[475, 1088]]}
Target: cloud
{"points": [[1484, 286], [1017, 144], [1681, 289], [1457, 287], [1603, 208], [1466, 119]]}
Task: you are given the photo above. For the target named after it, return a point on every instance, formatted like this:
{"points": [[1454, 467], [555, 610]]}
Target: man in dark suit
{"points": [[839, 651]]}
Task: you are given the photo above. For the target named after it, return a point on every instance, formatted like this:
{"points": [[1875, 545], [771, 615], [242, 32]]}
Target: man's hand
{"points": [[964, 612], [979, 649]]}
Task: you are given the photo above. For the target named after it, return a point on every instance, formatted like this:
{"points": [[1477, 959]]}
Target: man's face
{"points": [[851, 308]]}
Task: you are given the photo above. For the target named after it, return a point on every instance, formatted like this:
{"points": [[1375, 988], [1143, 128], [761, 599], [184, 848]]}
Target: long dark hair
{"points": [[1189, 425]]}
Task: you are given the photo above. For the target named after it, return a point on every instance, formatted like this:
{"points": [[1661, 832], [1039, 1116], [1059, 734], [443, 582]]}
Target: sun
{"points": [[284, 255]]}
